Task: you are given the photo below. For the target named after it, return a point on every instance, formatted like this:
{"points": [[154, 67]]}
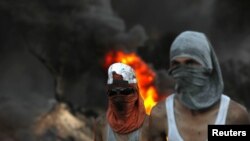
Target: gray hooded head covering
{"points": [[195, 45]]}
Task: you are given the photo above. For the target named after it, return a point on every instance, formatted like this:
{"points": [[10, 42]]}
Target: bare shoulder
{"points": [[146, 121], [158, 122], [159, 110], [237, 114]]}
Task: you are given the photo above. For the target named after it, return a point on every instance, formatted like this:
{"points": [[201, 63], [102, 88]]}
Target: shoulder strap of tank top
{"points": [[173, 133], [222, 114]]}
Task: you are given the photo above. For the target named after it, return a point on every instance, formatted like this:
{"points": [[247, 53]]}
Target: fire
{"points": [[145, 75]]}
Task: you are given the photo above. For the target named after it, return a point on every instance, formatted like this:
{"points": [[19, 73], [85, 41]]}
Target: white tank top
{"points": [[173, 133], [111, 136]]}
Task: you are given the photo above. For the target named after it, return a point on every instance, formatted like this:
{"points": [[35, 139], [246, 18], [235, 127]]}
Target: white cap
{"points": [[124, 70]]}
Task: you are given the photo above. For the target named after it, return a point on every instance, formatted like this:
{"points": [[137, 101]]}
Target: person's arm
{"points": [[238, 114], [157, 123]]}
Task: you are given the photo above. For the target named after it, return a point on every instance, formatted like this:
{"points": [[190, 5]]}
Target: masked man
{"points": [[126, 118], [198, 100]]}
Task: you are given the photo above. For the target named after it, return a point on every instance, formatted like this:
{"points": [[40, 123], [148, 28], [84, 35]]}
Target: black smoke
{"points": [[54, 51], [45, 40]]}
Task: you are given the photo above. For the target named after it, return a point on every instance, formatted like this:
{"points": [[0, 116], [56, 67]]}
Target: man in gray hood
{"points": [[198, 99]]}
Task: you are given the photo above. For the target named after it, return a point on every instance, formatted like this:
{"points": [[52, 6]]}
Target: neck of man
{"points": [[185, 110]]}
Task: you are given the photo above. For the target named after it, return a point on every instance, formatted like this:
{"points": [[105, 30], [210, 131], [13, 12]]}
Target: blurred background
{"points": [[54, 56]]}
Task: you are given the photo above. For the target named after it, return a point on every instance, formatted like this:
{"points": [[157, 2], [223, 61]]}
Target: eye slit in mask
{"points": [[191, 62], [185, 61], [121, 91]]}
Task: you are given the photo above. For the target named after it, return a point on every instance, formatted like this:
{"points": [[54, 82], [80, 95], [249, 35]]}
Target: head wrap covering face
{"points": [[196, 87], [125, 113]]}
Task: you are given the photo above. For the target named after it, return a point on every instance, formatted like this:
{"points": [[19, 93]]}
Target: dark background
{"points": [[51, 44]]}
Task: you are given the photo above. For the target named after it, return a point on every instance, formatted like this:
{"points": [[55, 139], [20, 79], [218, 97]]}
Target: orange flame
{"points": [[145, 75]]}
